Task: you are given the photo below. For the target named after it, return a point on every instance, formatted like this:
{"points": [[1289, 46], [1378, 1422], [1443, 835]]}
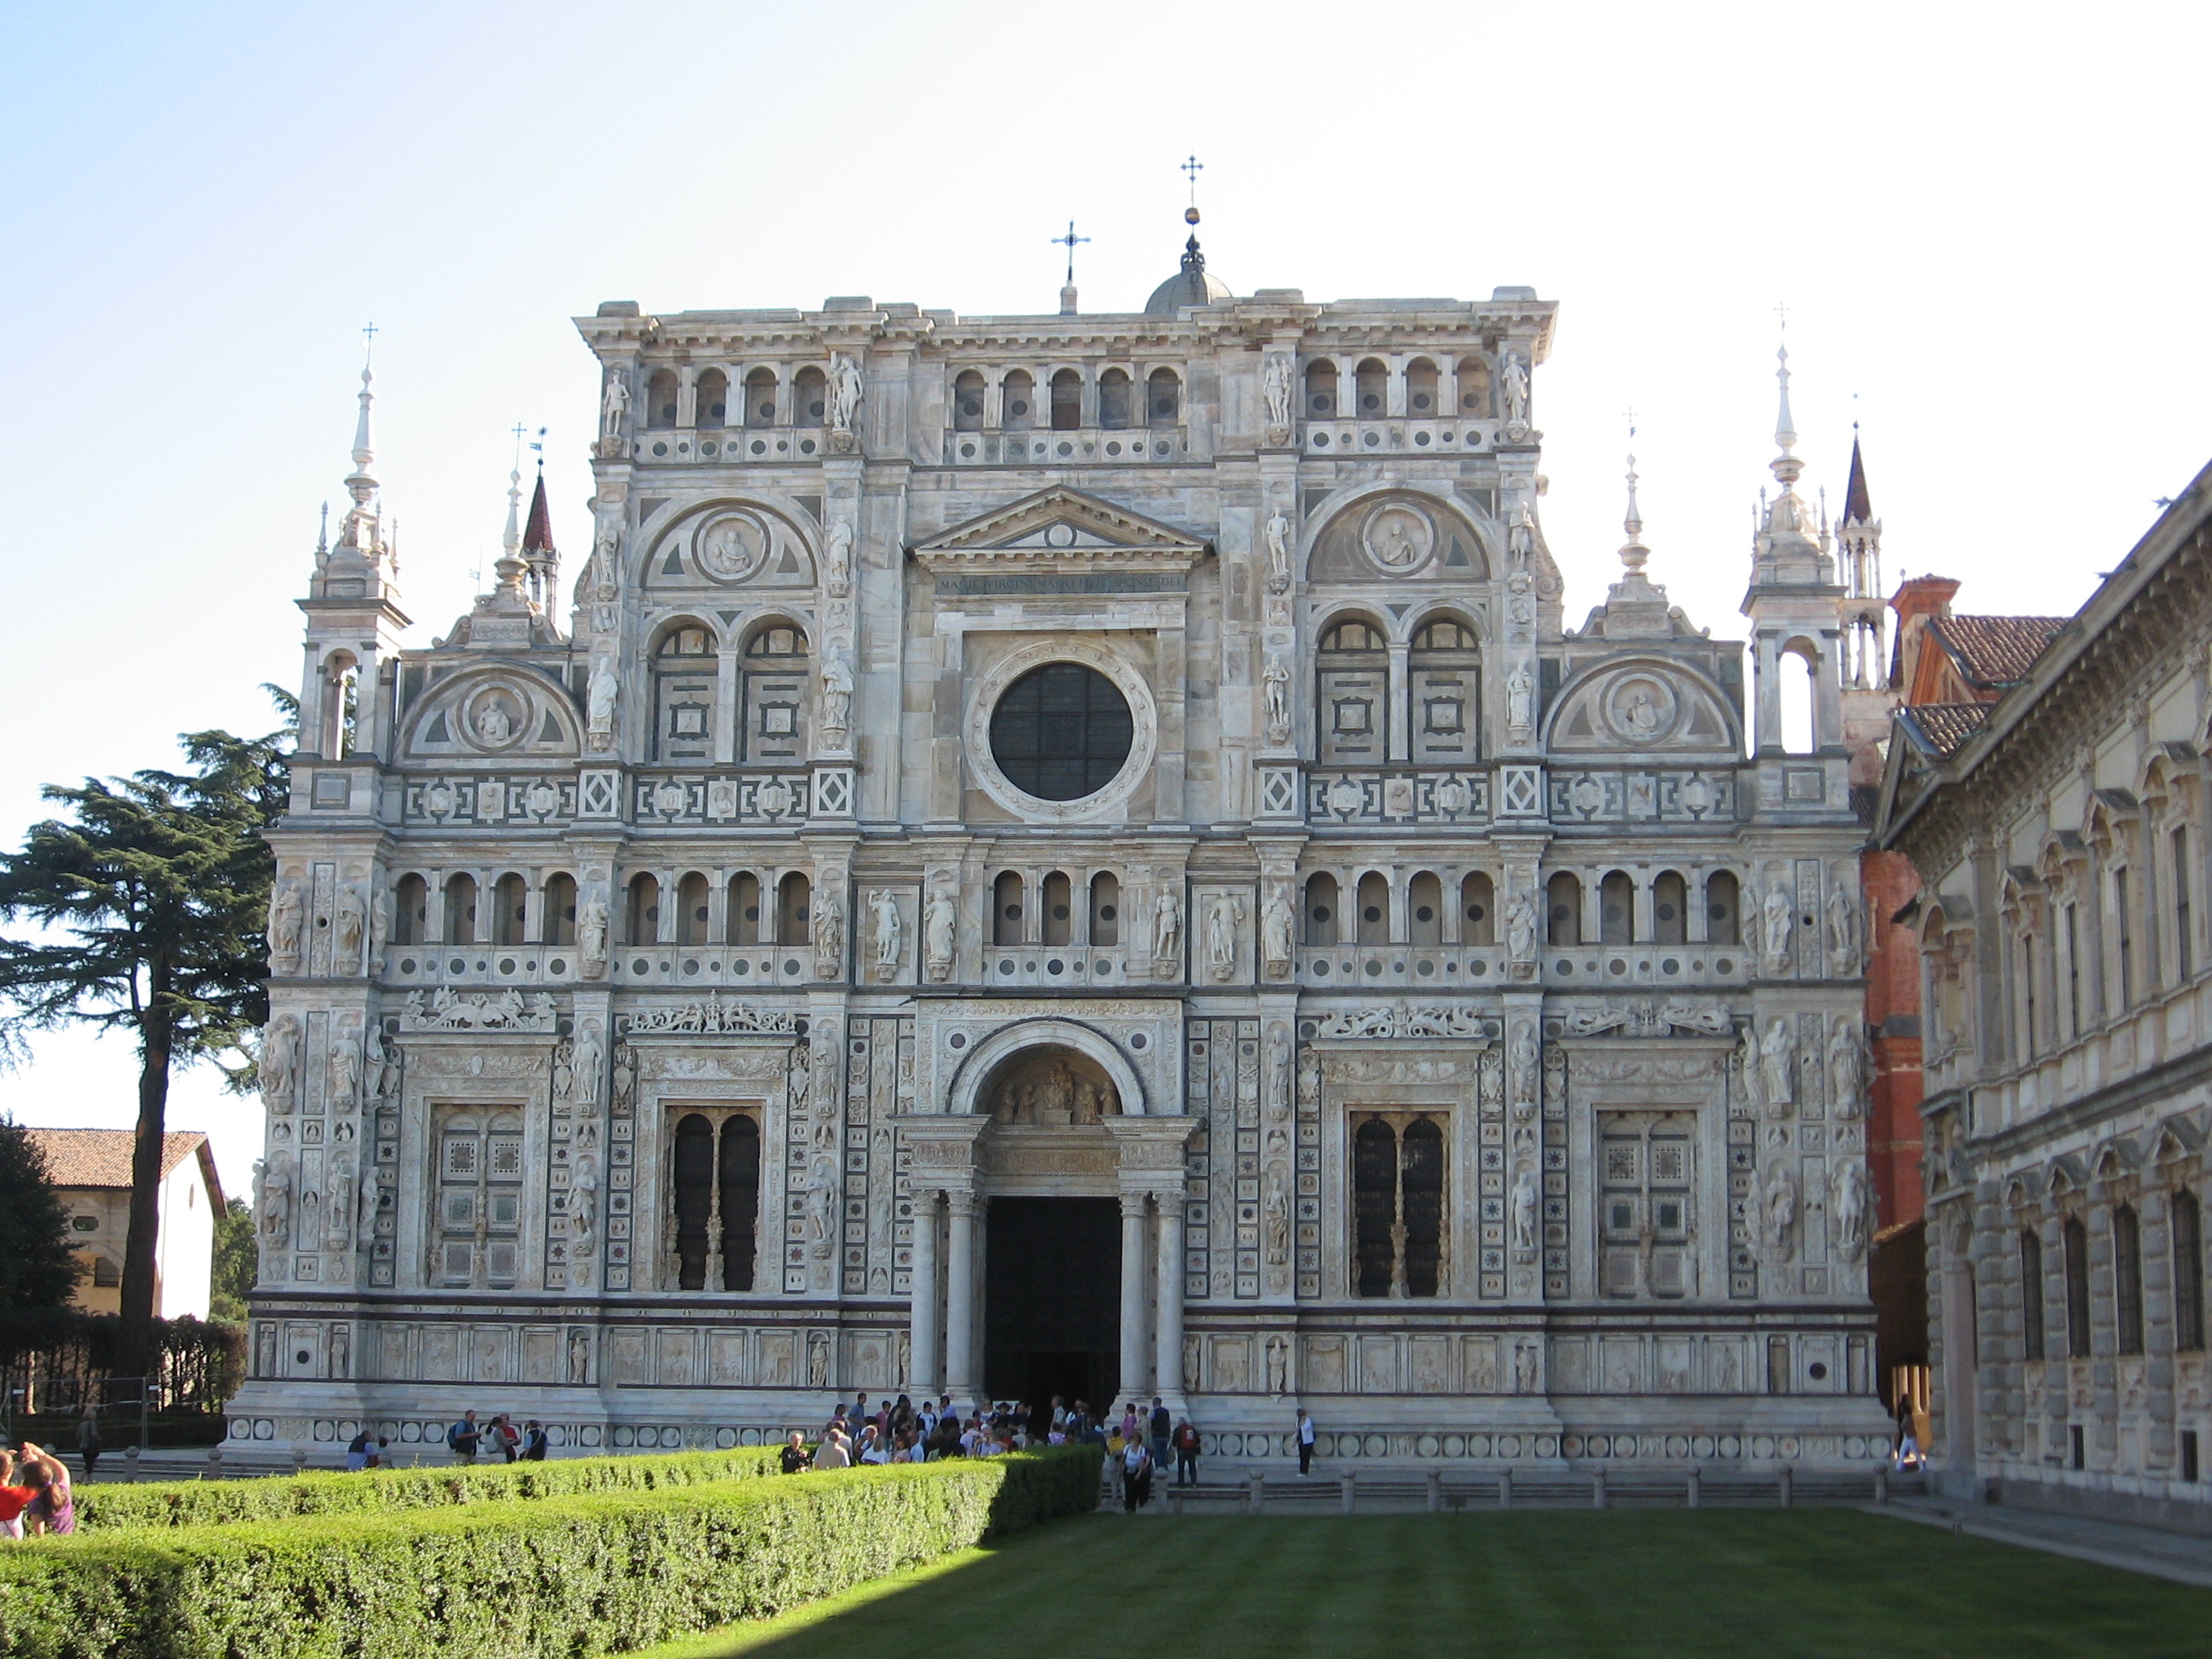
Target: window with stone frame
{"points": [[1351, 688], [477, 1225], [684, 676], [2185, 1231], [771, 692], [713, 1203], [1445, 673], [1647, 1226], [2127, 1280], [2073, 1239], [2031, 1294], [1400, 1205]]}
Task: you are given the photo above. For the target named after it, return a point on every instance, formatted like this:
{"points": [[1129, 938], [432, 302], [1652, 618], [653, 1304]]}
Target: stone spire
{"points": [[1635, 606], [1786, 549], [1633, 552], [538, 549], [361, 532]]}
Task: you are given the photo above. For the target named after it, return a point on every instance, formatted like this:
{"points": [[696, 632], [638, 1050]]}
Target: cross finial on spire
{"points": [[1191, 167], [1070, 241], [367, 344]]}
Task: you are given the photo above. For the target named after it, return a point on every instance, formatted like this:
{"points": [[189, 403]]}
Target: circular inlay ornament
{"points": [[732, 547], [1399, 538], [1641, 708]]}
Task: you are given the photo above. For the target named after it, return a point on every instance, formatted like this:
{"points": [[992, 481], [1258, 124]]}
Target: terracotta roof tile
{"points": [[1996, 651], [1942, 726], [102, 1157]]}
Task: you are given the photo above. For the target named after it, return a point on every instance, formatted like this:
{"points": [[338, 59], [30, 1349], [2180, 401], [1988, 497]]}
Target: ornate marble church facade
{"points": [[1072, 854]]}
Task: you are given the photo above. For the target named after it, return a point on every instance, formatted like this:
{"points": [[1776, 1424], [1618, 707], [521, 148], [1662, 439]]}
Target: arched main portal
{"points": [[1052, 1267]]}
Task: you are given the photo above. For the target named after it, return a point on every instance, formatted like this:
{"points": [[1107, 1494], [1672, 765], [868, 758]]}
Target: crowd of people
{"points": [[1141, 1441]]}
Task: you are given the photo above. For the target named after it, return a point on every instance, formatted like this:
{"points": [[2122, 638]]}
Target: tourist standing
{"points": [[1185, 1453], [88, 1438], [1161, 1424], [1305, 1442], [1136, 1475], [832, 1453], [463, 1438], [534, 1442]]}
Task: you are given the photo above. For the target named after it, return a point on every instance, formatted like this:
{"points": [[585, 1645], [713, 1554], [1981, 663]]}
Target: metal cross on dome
{"points": [[1190, 168]]}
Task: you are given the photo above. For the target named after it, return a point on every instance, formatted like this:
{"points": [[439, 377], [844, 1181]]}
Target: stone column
{"points": [[1133, 1295], [961, 1381], [1167, 1347], [925, 1373]]}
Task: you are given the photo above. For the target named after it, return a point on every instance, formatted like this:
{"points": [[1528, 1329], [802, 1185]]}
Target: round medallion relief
{"points": [[732, 547], [493, 717], [1641, 708], [1399, 538]]}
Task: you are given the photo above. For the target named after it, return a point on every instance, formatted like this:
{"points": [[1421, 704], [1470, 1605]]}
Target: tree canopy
{"points": [[149, 897], [38, 1269]]}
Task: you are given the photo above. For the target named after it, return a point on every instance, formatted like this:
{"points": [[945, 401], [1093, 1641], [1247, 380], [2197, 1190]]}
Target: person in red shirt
{"points": [[13, 1498], [52, 1507]]}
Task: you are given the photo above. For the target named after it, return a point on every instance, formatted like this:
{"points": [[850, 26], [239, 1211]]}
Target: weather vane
{"points": [[1069, 242]]}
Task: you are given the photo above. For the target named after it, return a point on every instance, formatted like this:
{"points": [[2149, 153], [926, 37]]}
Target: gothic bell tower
{"points": [[1795, 602]]}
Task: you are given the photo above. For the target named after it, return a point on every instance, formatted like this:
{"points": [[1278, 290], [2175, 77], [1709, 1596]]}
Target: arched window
{"points": [[461, 910], [1066, 401], [691, 909], [1374, 919], [1670, 909], [1422, 1187], [1616, 910], [341, 705], [1114, 399], [810, 397], [1374, 1206], [1059, 909], [643, 918], [1421, 389], [1321, 389], [1351, 692], [760, 398], [713, 398], [1017, 401], [1320, 909], [411, 903], [1424, 919], [2031, 1294], [2185, 1225], [772, 688], [558, 923], [745, 920], [2075, 1239], [1371, 387], [510, 904], [795, 909], [1563, 907], [1795, 665], [1162, 397], [1473, 388], [683, 673], [1445, 675], [2127, 1280], [968, 402], [1723, 911], [1105, 908], [693, 1173], [740, 1173], [1478, 910], [661, 398], [1006, 909]]}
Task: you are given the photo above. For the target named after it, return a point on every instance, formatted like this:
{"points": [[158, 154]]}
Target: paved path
{"points": [[2181, 1556]]}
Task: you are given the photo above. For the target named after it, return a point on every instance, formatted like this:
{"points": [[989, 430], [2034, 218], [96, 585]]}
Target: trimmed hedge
{"points": [[602, 1572], [107, 1505]]}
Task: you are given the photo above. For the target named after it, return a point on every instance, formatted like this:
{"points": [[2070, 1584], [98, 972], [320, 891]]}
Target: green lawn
{"points": [[1555, 1585]]}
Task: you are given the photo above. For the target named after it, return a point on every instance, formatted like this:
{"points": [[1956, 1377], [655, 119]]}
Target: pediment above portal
{"points": [[1059, 532]]}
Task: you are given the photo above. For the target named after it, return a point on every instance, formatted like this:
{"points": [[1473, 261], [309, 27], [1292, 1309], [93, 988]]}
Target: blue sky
{"points": [[1985, 223]]}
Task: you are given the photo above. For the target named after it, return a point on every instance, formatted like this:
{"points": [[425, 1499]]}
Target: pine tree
{"points": [[38, 1269], [150, 904]]}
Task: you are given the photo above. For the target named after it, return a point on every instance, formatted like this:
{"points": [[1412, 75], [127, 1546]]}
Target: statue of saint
{"points": [[1277, 679], [1276, 381], [1277, 931], [1520, 699], [285, 915], [1515, 384], [836, 690], [1167, 929], [844, 392], [837, 574], [1278, 553], [883, 917], [614, 404], [606, 689], [939, 928]]}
